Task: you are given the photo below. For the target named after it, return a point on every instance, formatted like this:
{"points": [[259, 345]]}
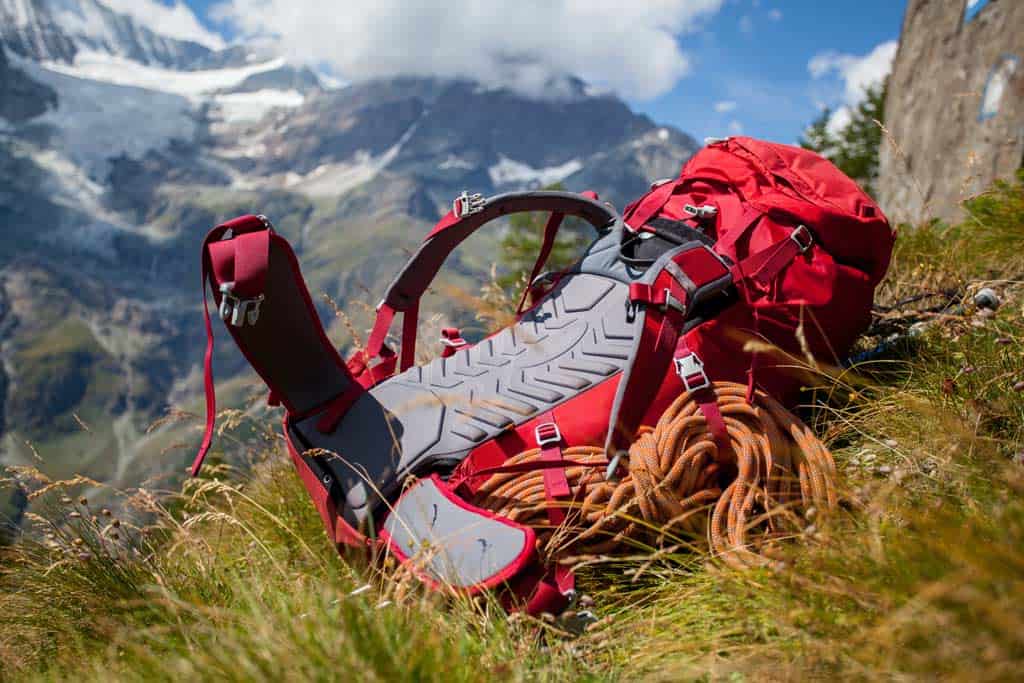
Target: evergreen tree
{"points": [[521, 244], [853, 148]]}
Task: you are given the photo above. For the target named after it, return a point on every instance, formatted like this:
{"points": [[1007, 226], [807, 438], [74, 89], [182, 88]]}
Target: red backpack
{"points": [[752, 239], [809, 247]]}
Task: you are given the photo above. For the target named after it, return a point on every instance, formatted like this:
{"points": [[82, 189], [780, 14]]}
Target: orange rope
{"points": [[680, 486]]}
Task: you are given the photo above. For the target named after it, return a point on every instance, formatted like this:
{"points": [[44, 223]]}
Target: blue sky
{"points": [[748, 59]]}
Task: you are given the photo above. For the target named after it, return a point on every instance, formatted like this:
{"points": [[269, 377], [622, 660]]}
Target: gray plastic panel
{"points": [[454, 545], [431, 416]]}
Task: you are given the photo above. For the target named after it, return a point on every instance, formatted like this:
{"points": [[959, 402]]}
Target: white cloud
{"points": [[629, 47], [735, 128], [175, 21], [725, 106], [775, 14], [856, 72]]}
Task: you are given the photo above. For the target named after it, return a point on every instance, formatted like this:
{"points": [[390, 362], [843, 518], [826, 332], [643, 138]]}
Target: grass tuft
{"points": [[919, 576]]}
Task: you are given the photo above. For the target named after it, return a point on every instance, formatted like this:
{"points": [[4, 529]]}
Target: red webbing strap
{"points": [[328, 422], [763, 266], [518, 468], [707, 403], [654, 359], [379, 333], [731, 234], [447, 221], [651, 204], [370, 374], [410, 319], [547, 244], [250, 267], [556, 485]]}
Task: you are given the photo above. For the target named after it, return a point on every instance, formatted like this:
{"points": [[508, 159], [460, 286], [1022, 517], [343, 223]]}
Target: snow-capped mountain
{"points": [[58, 30], [123, 140]]}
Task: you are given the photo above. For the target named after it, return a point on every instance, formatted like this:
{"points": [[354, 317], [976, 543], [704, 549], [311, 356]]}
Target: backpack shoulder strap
{"points": [[468, 214], [666, 303]]}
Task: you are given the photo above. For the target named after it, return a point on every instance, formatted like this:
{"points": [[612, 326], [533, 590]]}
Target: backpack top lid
{"points": [[776, 178]]}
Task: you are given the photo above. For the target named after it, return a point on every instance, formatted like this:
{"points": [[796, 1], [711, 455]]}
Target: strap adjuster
{"points": [[690, 369], [467, 204], [236, 311], [673, 303], [705, 211], [804, 243], [546, 434]]}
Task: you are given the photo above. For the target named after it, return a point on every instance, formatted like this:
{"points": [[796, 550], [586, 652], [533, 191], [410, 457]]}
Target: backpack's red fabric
{"points": [[818, 302]]}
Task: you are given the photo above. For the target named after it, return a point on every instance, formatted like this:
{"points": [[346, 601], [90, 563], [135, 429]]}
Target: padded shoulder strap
{"points": [[472, 213]]}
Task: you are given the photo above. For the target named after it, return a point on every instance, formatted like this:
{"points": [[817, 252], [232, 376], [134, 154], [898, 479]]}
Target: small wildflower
{"points": [[116, 523], [65, 500], [105, 512], [83, 501], [78, 541], [74, 515]]}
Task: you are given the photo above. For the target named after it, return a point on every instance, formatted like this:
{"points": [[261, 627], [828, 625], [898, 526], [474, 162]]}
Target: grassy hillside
{"points": [[920, 574]]}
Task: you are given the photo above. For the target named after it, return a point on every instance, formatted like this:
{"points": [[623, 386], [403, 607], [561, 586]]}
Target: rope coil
{"points": [[679, 484]]}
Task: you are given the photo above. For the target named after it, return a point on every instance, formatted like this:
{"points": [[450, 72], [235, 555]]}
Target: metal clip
{"points": [[808, 238], [547, 433], [467, 204], [236, 311], [613, 466], [690, 369]]}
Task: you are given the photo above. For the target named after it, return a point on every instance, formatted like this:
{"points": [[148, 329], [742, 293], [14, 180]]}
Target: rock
{"points": [[954, 108], [21, 98], [987, 298]]}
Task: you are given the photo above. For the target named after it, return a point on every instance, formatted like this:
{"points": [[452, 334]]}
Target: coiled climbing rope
{"points": [[681, 485]]}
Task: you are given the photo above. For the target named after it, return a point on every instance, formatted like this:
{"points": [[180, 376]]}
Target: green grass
{"points": [[919, 575]]}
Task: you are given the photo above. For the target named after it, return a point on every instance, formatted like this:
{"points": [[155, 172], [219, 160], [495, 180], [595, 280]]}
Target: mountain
{"points": [[121, 146], [58, 30]]}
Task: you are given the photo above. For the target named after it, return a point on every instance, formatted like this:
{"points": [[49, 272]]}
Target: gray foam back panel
{"points": [[429, 417], [454, 545]]}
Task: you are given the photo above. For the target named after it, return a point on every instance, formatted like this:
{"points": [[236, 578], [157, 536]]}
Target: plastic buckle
{"points": [[673, 303], [452, 338], [546, 434], [705, 211], [690, 369], [237, 311], [467, 204], [808, 238]]}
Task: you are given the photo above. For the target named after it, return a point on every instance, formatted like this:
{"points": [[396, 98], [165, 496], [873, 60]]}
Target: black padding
{"points": [[644, 248], [421, 269], [286, 346]]}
